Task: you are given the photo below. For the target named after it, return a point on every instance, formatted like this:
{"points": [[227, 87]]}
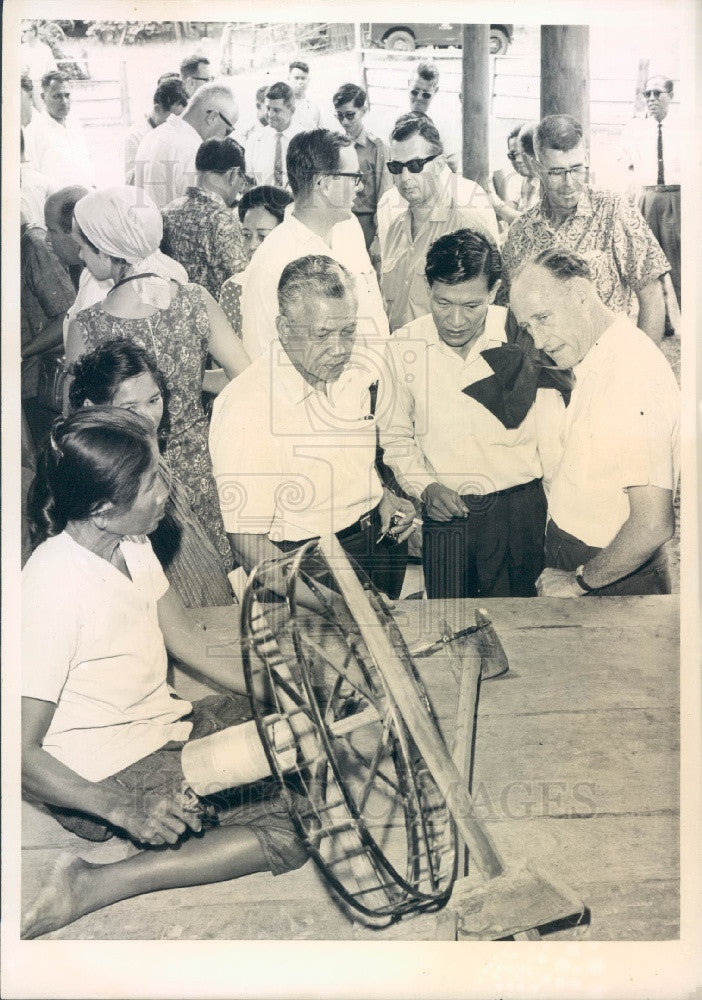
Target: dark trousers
{"points": [[565, 551], [497, 551], [660, 207], [384, 562]]}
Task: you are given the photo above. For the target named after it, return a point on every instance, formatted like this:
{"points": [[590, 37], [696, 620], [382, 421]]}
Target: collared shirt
{"points": [[90, 291], [91, 643], [402, 282], [203, 235], [640, 148], [165, 160], [306, 116], [59, 150], [621, 429], [260, 153], [608, 232], [372, 162], [464, 192], [288, 241], [46, 292], [130, 144], [290, 461], [431, 431]]}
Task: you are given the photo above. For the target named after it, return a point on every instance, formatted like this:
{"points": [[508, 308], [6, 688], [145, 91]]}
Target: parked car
{"points": [[407, 37]]}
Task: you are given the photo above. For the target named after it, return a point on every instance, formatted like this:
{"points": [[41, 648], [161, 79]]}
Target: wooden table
{"points": [[576, 768]]}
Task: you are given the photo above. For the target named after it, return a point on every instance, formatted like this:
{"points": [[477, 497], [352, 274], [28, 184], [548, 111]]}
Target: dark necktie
{"points": [[278, 160], [661, 173]]}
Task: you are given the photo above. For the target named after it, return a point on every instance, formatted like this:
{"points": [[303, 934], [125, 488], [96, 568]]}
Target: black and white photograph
{"points": [[349, 500]]}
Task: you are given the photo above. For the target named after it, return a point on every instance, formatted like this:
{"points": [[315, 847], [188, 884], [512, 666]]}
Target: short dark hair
{"points": [[310, 153], [526, 139], [220, 155], [96, 455], [170, 92], [189, 66], [53, 76], [275, 200], [98, 375], [66, 199], [298, 64], [411, 124], [562, 132], [514, 133], [462, 255], [171, 75], [562, 264], [26, 83], [315, 273], [350, 93], [428, 71], [281, 92], [261, 93]]}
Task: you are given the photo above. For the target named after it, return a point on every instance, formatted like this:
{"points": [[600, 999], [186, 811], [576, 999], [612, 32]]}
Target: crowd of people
{"points": [[314, 332]]}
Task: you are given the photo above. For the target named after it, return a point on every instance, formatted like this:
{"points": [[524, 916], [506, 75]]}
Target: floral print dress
{"points": [[177, 339]]}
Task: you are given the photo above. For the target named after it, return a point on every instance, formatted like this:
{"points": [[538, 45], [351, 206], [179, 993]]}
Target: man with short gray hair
{"points": [[626, 261], [165, 160], [54, 139], [293, 439]]}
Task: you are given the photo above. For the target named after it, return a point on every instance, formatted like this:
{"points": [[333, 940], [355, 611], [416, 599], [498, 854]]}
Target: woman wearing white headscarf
{"points": [[119, 231]]}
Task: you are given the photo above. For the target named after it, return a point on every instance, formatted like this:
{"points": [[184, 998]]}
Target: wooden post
{"points": [[565, 72], [641, 78], [475, 93]]}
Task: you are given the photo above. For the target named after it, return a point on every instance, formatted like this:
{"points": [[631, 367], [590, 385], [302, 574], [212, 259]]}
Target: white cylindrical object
{"points": [[235, 756]]}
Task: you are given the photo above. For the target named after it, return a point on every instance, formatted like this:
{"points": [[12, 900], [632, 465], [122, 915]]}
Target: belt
{"points": [[662, 187], [362, 524]]}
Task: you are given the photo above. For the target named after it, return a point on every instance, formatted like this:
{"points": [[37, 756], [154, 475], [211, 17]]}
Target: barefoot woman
{"points": [[101, 733]]}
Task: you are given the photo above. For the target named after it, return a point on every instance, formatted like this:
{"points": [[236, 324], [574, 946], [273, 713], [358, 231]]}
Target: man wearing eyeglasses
{"points": [[653, 153], [195, 72], [324, 176], [267, 147], [351, 106], [602, 227], [199, 229], [435, 205], [165, 160]]}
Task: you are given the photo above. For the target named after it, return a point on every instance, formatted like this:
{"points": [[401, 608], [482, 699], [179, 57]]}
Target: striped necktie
{"points": [[659, 150], [278, 160]]}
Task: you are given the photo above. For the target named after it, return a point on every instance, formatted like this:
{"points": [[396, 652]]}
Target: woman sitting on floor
{"points": [[101, 733], [121, 373]]}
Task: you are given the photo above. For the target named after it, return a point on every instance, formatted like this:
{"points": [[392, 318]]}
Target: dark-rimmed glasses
{"points": [[653, 93], [347, 116], [357, 177], [203, 79], [224, 119], [415, 166], [424, 94], [512, 156], [560, 173]]}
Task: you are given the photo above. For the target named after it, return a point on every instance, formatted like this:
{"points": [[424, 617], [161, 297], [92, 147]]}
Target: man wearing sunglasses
{"points": [[626, 261], [165, 160], [653, 153], [199, 229], [423, 87], [266, 148], [324, 176], [435, 205]]}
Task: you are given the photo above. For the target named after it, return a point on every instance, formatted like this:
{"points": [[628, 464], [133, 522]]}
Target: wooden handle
{"points": [[404, 690]]}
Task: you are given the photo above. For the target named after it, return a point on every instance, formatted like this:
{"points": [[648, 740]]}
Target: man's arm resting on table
{"points": [[652, 310], [156, 820], [650, 524]]}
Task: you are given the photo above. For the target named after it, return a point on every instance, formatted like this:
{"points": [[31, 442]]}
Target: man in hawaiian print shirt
{"points": [[626, 261]]}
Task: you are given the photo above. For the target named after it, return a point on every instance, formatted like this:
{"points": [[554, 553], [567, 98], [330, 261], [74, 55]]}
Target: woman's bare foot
{"points": [[59, 900]]}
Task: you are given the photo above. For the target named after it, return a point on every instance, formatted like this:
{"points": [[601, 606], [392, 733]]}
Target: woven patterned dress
{"points": [[177, 339]]}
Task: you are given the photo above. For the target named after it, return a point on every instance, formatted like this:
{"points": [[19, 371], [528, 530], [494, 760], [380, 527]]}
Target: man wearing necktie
{"points": [[266, 147], [610, 505]]}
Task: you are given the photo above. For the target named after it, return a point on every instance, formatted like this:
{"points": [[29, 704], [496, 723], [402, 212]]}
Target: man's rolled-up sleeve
{"points": [[647, 438], [636, 250]]}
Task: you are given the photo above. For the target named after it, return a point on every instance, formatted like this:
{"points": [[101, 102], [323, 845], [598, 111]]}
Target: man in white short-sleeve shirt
{"points": [[322, 171], [611, 500], [293, 438]]}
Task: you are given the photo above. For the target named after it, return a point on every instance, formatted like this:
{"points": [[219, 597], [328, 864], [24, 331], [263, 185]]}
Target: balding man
{"points": [[611, 500], [165, 160], [626, 261], [653, 153], [58, 218], [293, 439]]}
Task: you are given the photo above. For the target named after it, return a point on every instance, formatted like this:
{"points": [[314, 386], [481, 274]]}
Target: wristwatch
{"points": [[580, 580]]}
